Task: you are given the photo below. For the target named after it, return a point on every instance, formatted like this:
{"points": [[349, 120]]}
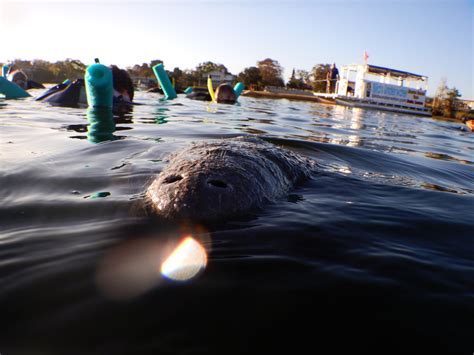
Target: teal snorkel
{"points": [[11, 90], [99, 85], [238, 88], [164, 81]]}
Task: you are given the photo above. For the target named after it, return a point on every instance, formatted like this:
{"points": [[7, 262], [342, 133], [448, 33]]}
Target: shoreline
{"points": [[296, 97]]}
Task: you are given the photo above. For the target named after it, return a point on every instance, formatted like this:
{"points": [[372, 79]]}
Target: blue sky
{"points": [[433, 38]]}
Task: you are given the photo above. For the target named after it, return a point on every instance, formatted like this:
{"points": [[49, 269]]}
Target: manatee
{"points": [[225, 179]]}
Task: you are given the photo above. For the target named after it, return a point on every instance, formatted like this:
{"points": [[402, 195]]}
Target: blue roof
{"points": [[395, 72]]}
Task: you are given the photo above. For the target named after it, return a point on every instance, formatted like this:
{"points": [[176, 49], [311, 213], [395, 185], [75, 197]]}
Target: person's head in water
{"points": [[225, 94], [123, 85], [18, 76]]}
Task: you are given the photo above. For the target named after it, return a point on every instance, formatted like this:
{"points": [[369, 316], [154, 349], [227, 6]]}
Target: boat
{"points": [[371, 86]]}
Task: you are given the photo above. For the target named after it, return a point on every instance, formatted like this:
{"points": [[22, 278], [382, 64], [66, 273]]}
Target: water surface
{"points": [[373, 254]]}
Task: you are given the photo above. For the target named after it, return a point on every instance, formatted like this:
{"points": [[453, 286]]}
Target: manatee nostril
{"points": [[172, 178], [217, 183]]}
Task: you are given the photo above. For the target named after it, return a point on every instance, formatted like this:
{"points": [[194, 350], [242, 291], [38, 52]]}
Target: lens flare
{"points": [[186, 261], [138, 265]]}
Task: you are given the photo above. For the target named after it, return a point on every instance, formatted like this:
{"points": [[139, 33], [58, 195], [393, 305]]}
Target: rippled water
{"points": [[373, 254]]}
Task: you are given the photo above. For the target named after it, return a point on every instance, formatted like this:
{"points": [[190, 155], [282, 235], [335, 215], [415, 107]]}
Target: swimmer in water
{"points": [[73, 94], [18, 77], [469, 122], [123, 85], [225, 94]]}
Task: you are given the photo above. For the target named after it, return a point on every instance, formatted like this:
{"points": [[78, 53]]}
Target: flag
{"points": [[366, 57]]}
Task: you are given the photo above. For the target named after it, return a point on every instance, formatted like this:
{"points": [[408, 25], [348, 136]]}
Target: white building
{"points": [[371, 86], [219, 77]]}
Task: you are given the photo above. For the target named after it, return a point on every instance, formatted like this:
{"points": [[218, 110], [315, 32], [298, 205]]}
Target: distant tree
{"points": [[271, 72], [202, 69], [293, 83], [181, 78], [207, 67], [446, 100], [143, 71], [319, 74], [251, 78], [46, 72], [305, 77], [155, 62], [71, 69], [301, 79]]}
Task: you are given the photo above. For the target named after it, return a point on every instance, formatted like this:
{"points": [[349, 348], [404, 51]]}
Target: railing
{"points": [[281, 90]]}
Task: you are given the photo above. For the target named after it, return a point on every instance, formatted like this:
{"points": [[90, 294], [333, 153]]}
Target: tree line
{"points": [[267, 72]]}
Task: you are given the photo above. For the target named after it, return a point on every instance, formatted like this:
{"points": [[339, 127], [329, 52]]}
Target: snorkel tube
{"points": [[164, 81], [5, 69], [211, 89], [238, 88], [99, 86], [11, 90]]}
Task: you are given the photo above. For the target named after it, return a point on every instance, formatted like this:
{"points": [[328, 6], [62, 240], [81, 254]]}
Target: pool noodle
{"points": [[211, 89], [99, 86], [11, 90], [164, 81], [238, 88]]}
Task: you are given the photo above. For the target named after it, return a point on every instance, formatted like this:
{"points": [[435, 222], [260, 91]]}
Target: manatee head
{"points": [[224, 179], [225, 94]]}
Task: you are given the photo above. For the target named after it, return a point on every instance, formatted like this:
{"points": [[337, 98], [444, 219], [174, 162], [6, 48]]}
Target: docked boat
{"points": [[370, 86]]}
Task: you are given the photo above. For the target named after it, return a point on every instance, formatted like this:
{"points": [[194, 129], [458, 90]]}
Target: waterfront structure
{"points": [[370, 86]]}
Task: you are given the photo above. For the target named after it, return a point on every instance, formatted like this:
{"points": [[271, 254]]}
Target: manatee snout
{"points": [[197, 195], [224, 179]]}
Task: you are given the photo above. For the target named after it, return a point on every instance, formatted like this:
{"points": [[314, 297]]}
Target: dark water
{"points": [[373, 255]]}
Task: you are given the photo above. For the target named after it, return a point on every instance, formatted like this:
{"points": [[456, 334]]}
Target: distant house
{"points": [[469, 103], [219, 77]]}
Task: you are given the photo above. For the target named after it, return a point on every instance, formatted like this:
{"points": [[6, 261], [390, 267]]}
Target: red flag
{"points": [[366, 57]]}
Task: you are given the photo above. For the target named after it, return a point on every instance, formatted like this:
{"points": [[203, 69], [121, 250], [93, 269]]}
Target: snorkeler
{"points": [[123, 86], [225, 94], [469, 122], [74, 93], [19, 77]]}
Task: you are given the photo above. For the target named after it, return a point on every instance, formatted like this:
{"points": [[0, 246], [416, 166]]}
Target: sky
{"points": [[428, 37]]}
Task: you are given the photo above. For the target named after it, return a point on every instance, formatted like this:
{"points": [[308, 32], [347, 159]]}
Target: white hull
{"points": [[354, 102]]}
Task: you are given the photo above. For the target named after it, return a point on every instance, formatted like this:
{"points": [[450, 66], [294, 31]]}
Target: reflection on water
{"points": [[101, 125], [162, 114], [439, 156]]}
